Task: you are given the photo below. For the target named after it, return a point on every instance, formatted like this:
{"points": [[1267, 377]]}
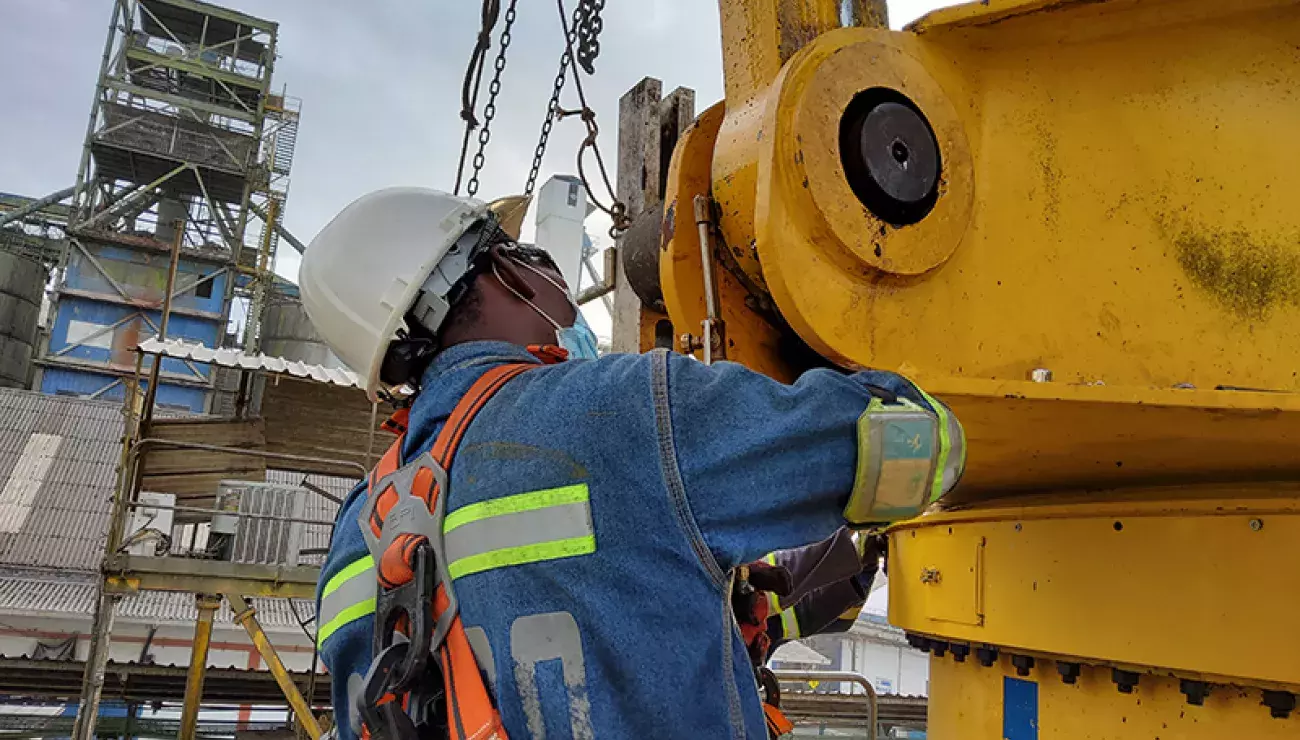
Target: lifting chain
{"points": [[470, 90], [588, 25], [490, 110], [590, 11], [553, 110]]}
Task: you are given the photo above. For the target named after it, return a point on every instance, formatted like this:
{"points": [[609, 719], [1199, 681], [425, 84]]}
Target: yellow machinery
{"points": [[1076, 222]]}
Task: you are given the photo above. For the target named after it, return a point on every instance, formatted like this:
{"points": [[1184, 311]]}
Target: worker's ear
{"points": [[509, 273]]}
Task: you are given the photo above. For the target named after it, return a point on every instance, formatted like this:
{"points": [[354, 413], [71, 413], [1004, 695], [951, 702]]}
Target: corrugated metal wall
{"points": [[97, 328]]}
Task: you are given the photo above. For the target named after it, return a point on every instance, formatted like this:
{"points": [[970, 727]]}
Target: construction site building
{"points": [[187, 156]]}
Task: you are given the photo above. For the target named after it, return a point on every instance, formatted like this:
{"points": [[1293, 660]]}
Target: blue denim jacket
{"points": [[690, 469]]}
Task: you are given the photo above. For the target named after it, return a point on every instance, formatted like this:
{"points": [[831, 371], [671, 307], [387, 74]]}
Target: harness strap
{"points": [[471, 714]]}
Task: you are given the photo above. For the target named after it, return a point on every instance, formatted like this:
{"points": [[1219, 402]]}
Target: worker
{"points": [[554, 534]]}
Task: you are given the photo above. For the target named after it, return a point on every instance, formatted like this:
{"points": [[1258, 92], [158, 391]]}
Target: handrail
{"points": [[850, 676], [175, 444]]}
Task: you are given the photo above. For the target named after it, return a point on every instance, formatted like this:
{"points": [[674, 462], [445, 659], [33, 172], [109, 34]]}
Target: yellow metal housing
{"points": [[1114, 213], [1116, 197]]}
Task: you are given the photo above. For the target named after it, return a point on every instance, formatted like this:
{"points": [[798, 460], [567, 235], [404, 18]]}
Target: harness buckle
{"points": [[400, 695], [388, 715]]}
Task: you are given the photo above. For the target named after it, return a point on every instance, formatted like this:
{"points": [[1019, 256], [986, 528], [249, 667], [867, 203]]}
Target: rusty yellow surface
{"points": [[1116, 197], [246, 615], [1092, 708], [1203, 582], [207, 607]]}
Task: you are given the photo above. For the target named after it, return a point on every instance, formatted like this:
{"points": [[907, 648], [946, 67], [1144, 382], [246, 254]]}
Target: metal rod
{"points": [[172, 266], [239, 514], [246, 616], [92, 681], [279, 229], [253, 324], [712, 321], [702, 221], [131, 197], [36, 205], [158, 442], [198, 665], [850, 676], [151, 393], [603, 286]]}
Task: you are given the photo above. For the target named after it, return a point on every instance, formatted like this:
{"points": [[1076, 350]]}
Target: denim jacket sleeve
{"points": [[765, 466]]}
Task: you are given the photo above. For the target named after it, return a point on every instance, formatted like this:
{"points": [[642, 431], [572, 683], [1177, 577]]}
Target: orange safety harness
{"points": [[402, 523]]}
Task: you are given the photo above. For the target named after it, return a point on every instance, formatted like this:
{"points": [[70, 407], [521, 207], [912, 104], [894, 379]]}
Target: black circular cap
{"points": [[890, 156], [900, 152]]}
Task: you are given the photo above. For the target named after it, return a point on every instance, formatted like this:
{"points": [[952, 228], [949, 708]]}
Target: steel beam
{"points": [[283, 232], [132, 573], [37, 205], [246, 615], [207, 605]]}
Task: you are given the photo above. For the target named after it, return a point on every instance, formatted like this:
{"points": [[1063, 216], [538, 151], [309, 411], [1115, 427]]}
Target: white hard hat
{"points": [[366, 269]]}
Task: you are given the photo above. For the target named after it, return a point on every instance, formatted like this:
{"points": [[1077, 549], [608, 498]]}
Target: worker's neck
{"points": [[521, 338]]}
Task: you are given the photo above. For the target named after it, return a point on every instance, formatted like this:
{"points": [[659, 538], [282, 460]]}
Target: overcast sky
{"points": [[380, 85]]}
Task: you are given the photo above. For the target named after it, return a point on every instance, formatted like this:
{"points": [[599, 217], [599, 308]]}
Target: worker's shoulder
{"points": [[624, 380]]}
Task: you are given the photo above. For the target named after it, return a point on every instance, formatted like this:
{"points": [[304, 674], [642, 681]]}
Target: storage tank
{"points": [[22, 284], [288, 333]]}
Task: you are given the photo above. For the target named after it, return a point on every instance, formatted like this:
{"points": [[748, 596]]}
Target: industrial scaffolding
{"points": [[186, 147]]}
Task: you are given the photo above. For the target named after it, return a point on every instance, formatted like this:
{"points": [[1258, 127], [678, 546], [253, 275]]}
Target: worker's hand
{"points": [[873, 551]]}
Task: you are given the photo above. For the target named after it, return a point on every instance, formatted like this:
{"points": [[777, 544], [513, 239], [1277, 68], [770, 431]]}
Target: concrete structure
{"points": [[186, 144], [22, 286]]}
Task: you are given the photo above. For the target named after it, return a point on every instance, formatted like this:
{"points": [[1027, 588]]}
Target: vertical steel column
{"points": [[207, 605], [92, 681], [245, 614], [151, 393]]}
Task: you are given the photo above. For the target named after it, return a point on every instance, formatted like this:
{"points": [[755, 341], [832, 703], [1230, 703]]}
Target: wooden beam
{"points": [[648, 128]]}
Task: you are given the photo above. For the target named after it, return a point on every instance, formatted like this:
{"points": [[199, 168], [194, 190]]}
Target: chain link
{"points": [[473, 78], [490, 109], [588, 25], [553, 110]]}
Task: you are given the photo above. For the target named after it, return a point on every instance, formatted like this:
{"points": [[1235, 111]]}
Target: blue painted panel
{"points": [[143, 275], [1019, 709], [78, 318], [64, 381]]}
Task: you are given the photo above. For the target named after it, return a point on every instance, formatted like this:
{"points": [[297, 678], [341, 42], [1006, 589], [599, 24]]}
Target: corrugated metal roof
{"points": [[66, 521], [235, 358], [76, 598]]}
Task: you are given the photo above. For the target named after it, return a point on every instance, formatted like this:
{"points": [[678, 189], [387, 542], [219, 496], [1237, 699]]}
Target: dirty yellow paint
{"points": [[751, 339], [1117, 200], [1246, 274]]}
